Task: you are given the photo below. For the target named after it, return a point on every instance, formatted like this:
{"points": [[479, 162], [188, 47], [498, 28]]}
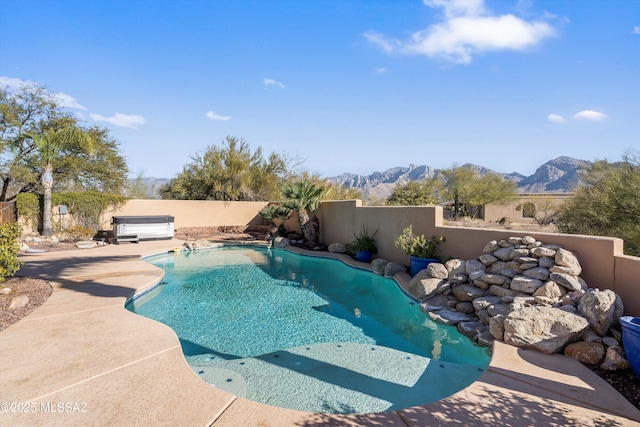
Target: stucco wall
{"points": [[602, 259], [191, 213], [547, 204]]}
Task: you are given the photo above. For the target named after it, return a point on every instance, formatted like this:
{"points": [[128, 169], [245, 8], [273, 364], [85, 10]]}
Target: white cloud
{"points": [[381, 70], [590, 115], [377, 39], [68, 101], [636, 30], [213, 116], [12, 85], [555, 118], [122, 120], [468, 29], [270, 82]]}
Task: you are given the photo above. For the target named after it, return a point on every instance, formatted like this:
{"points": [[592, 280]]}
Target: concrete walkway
{"points": [[81, 359]]}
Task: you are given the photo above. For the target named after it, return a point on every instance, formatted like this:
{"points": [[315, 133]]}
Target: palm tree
{"points": [[304, 197], [50, 143]]}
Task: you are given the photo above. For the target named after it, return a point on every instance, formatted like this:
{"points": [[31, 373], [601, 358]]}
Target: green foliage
{"points": [[470, 191], [28, 205], [75, 233], [335, 192], [9, 249], [87, 206], [304, 197], [607, 203], [33, 114], [230, 172], [271, 212], [415, 193], [418, 246], [364, 242]]}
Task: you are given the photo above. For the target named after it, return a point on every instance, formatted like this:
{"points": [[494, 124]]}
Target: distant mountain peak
{"points": [[559, 175]]}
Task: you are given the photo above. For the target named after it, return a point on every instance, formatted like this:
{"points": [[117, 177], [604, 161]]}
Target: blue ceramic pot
{"points": [[419, 264], [364, 256]]}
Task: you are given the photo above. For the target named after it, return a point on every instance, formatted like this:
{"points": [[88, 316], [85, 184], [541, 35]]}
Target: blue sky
{"points": [[350, 86]]}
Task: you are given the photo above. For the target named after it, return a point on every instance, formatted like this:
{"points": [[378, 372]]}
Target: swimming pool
{"points": [[306, 333]]}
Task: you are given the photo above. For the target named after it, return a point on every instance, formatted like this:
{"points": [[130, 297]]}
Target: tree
{"points": [[229, 172], [32, 112], [304, 197], [50, 143], [607, 203], [415, 193], [470, 191]]}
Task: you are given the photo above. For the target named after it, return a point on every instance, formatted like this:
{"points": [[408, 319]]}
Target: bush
{"points": [[75, 233], [9, 248], [607, 203]]}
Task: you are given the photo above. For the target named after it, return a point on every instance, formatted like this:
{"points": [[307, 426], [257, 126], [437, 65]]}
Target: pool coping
{"points": [[83, 347]]}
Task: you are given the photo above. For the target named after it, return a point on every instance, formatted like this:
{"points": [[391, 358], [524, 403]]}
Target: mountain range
{"points": [[559, 175]]}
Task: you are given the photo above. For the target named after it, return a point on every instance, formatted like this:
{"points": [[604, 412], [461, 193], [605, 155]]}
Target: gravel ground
{"points": [[39, 290]]}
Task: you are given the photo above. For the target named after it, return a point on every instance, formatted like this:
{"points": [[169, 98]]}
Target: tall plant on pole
{"points": [[304, 197], [50, 143]]}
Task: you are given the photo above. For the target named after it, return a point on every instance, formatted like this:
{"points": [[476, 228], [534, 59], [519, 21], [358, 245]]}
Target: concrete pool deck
{"points": [[82, 359]]}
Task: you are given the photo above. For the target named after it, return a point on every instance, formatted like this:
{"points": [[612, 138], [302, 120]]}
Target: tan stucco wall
{"points": [[602, 259], [492, 212], [191, 213]]}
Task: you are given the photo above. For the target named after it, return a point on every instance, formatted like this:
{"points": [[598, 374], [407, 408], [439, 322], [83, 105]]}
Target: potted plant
{"points": [[421, 251], [364, 245]]}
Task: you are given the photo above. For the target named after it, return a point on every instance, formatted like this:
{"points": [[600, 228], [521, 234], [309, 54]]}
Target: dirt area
{"points": [[36, 290], [39, 290]]}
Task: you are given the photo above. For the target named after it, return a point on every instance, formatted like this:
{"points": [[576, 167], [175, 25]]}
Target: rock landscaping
{"points": [[526, 294]]}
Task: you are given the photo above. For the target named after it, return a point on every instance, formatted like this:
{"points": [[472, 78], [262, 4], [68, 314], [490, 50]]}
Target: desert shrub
{"points": [[28, 206], [75, 233], [607, 203], [9, 248]]}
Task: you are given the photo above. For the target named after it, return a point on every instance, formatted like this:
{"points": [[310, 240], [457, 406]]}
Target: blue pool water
{"points": [[306, 333]]}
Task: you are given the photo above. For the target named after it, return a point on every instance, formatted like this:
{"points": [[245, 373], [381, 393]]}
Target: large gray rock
{"points": [[391, 268], [437, 270], [18, 302], [525, 284], [466, 292], [543, 252], [456, 266], [472, 328], [337, 248], [483, 303], [565, 258], [378, 264], [614, 360], [278, 242], [589, 353], [503, 254], [599, 308], [496, 327], [494, 279], [539, 273], [543, 328], [473, 265], [490, 247], [550, 290], [422, 285], [566, 280], [487, 259]]}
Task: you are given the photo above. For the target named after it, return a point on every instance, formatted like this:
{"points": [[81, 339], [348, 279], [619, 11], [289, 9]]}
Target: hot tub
{"points": [[136, 228]]}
